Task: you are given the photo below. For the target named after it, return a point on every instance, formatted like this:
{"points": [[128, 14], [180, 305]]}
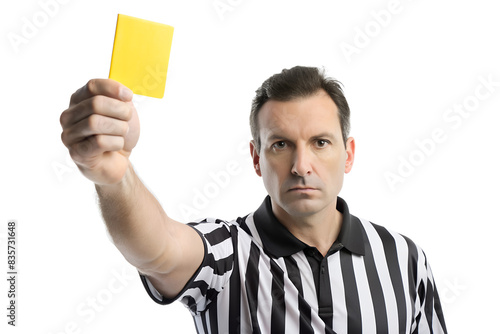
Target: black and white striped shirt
{"points": [[257, 277]]}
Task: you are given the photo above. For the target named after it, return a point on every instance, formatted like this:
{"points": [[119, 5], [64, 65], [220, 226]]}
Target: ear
{"points": [[255, 158], [349, 149]]}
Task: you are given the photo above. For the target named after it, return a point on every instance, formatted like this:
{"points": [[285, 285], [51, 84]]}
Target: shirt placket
{"points": [[321, 273]]}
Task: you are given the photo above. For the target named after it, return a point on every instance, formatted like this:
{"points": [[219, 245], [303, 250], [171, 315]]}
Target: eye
{"points": [[320, 143], [279, 145]]}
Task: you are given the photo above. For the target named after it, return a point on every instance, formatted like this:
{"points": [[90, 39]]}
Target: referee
{"points": [[301, 262]]}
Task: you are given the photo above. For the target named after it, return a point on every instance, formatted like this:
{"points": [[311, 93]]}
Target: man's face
{"points": [[302, 158]]}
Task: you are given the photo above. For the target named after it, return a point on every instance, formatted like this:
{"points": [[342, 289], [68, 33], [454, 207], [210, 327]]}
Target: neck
{"points": [[319, 229]]}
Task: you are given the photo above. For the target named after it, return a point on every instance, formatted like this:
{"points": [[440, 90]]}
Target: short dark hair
{"points": [[298, 82]]}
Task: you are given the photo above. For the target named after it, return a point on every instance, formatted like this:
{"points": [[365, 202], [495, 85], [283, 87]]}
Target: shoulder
{"points": [[396, 249], [215, 230], [390, 243], [379, 233], [207, 225]]}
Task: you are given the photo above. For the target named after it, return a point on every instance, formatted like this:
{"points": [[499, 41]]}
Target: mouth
{"points": [[302, 189]]}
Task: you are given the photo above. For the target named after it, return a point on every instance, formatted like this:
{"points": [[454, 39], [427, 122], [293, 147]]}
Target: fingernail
{"points": [[126, 94]]}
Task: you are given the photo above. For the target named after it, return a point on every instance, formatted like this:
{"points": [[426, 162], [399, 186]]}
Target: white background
{"points": [[408, 71]]}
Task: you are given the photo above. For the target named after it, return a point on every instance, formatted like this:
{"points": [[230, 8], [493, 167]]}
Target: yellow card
{"points": [[140, 55]]}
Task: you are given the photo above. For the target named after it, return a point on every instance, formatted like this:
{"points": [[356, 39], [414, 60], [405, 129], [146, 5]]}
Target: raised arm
{"points": [[100, 129]]}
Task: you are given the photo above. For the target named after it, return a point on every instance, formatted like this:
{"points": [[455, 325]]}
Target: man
{"points": [[301, 263]]}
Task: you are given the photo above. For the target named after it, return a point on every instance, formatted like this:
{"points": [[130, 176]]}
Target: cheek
{"points": [[271, 170], [333, 170], [273, 173]]}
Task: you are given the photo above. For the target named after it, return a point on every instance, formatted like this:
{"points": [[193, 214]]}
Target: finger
{"points": [[106, 87], [101, 105], [84, 151], [94, 125]]}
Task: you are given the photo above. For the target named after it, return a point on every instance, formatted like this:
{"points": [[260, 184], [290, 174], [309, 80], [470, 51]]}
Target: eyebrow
{"points": [[327, 135], [276, 136]]}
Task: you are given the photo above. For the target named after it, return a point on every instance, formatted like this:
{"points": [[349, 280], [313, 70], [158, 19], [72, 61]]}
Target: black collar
{"points": [[280, 242]]}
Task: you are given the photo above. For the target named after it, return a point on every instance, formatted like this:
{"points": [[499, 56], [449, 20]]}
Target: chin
{"points": [[302, 207]]}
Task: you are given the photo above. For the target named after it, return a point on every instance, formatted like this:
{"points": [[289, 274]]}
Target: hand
{"points": [[100, 129]]}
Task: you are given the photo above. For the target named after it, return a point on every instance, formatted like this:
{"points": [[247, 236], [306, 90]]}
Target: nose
{"points": [[301, 165]]}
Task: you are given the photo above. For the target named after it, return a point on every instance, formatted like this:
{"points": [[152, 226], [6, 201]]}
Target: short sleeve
{"points": [[214, 272], [429, 316]]}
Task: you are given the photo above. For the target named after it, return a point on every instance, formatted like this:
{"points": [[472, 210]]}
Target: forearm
{"points": [[135, 220], [100, 129]]}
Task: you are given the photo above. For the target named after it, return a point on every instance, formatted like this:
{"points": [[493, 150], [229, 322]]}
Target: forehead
{"points": [[306, 116]]}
